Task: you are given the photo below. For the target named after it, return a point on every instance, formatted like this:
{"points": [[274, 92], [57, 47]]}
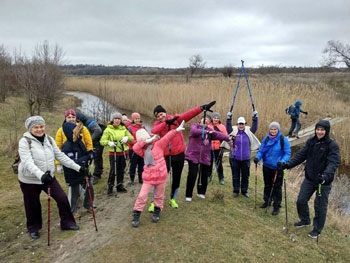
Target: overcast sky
{"points": [[166, 33]]}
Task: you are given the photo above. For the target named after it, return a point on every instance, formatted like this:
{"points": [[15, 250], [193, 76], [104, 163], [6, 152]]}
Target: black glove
{"points": [[171, 121], [84, 170], [46, 178], [256, 160], [208, 106], [91, 155], [281, 165], [305, 112], [321, 179]]}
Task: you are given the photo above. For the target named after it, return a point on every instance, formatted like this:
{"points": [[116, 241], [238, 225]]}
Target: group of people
{"points": [[162, 151]]}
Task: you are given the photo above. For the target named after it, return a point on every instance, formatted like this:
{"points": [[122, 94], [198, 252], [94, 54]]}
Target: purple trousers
{"points": [[32, 205]]}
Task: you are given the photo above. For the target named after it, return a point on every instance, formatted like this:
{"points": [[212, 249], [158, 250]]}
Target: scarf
{"points": [[148, 158]]}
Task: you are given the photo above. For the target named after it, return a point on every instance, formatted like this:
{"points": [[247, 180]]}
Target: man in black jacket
{"points": [[322, 157]]}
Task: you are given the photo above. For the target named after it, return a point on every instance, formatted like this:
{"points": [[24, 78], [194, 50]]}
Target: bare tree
{"points": [[336, 53], [227, 71], [196, 63], [5, 73]]}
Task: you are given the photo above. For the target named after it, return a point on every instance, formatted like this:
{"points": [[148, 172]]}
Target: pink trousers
{"points": [[159, 192]]}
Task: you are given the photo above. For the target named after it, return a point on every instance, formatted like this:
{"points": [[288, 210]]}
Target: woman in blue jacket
{"points": [[274, 150]]}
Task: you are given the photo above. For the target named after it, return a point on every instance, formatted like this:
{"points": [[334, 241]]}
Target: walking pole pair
{"points": [[273, 186], [87, 179]]}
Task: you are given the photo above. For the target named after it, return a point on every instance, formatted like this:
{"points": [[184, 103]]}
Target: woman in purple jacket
{"points": [[198, 156]]}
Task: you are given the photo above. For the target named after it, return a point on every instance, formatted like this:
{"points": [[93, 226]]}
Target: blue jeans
{"points": [[307, 189], [295, 125]]}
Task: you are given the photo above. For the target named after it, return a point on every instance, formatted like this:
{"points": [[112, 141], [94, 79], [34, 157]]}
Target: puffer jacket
{"points": [[271, 151], [39, 158], [215, 144], [115, 134], [178, 144], [156, 173], [199, 149]]}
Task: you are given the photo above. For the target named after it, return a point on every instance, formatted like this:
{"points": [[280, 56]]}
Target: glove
{"points": [[255, 114], [152, 139], [46, 178], [171, 121], [181, 127], [111, 144], [229, 115], [305, 112], [84, 171], [124, 140], [281, 165], [256, 160], [91, 155], [59, 168], [321, 179], [208, 106]]}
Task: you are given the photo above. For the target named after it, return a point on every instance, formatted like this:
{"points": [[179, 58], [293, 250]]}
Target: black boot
{"points": [[156, 214], [276, 211], [136, 218], [110, 190]]}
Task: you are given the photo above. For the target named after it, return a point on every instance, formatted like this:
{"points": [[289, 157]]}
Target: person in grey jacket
{"points": [[38, 152]]}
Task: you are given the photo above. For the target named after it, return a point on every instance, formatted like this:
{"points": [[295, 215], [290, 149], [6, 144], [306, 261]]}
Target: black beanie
{"points": [[158, 109]]}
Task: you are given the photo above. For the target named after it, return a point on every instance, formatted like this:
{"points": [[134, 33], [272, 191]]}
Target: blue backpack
{"points": [[291, 110]]}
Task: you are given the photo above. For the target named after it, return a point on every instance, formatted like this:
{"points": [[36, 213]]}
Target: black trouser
{"points": [[136, 161], [119, 163], [216, 160], [202, 182], [177, 165], [98, 161], [240, 175], [269, 175]]}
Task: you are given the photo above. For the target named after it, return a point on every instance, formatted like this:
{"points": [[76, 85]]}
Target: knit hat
{"points": [[135, 115], [34, 120], [241, 120], [69, 112], [142, 135], [116, 115], [216, 115], [158, 109], [275, 124]]}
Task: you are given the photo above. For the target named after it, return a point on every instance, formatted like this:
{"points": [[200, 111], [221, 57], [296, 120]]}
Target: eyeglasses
{"points": [[241, 123]]}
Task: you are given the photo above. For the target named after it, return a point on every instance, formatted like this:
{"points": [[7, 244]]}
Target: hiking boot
{"points": [[73, 228], [301, 224], [275, 211], [151, 207], [110, 190], [201, 196], [264, 205], [136, 218], [313, 234], [222, 182], [156, 214], [34, 235], [121, 189], [173, 203], [246, 195], [235, 195]]}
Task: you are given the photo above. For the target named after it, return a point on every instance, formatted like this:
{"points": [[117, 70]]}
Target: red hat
{"points": [[69, 112]]}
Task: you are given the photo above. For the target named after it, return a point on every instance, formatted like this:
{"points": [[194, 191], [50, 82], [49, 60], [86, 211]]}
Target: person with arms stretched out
{"points": [[36, 174], [322, 157]]}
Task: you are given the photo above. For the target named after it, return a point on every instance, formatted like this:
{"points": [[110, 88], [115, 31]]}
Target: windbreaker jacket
{"points": [[157, 173], [38, 158], [115, 134], [177, 144], [199, 149], [271, 151]]}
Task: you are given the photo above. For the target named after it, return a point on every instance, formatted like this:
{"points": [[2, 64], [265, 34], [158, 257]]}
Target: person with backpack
{"points": [[116, 136], [294, 112], [75, 149], [216, 157], [96, 133], [152, 150], [245, 142], [175, 152], [36, 174], [322, 157], [274, 149]]}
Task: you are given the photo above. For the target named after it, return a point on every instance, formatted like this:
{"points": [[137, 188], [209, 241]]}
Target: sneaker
{"points": [[264, 205], [151, 207], [188, 199], [222, 182], [275, 211], [173, 203], [201, 196], [235, 195], [246, 195], [301, 224], [313, 234], [34, 235]]}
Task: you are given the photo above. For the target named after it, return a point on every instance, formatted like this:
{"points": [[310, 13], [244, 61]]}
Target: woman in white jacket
{"points": [[38, 152]]}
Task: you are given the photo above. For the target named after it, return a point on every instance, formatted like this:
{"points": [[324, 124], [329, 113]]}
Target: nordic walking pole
{"points": [[256, 183], [237, 86], [273, 186], [48, 214], [285, 198], [87, 179], [247, 81], [319, 193]]}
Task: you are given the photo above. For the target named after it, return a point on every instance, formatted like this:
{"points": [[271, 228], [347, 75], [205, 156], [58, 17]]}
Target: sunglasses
{"points": [[241, 123]]}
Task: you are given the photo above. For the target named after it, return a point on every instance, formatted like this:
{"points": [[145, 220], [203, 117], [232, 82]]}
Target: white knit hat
{"points": [[142, 135], [34, 120], [116, 115]]}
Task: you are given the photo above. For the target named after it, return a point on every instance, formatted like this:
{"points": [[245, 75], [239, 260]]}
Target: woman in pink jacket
{"points": [[154, 171]]}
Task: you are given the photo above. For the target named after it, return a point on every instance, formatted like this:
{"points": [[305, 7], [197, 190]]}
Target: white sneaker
{"points": [[201, 196], [188, 199]]}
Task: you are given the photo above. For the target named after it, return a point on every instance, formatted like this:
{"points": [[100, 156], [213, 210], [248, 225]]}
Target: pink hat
{"points": [[135, 115], [69, 112]]}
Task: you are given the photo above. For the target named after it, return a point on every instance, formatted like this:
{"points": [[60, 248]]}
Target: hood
{"points": [[324, 124], [81, 117], [298, 103]]}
